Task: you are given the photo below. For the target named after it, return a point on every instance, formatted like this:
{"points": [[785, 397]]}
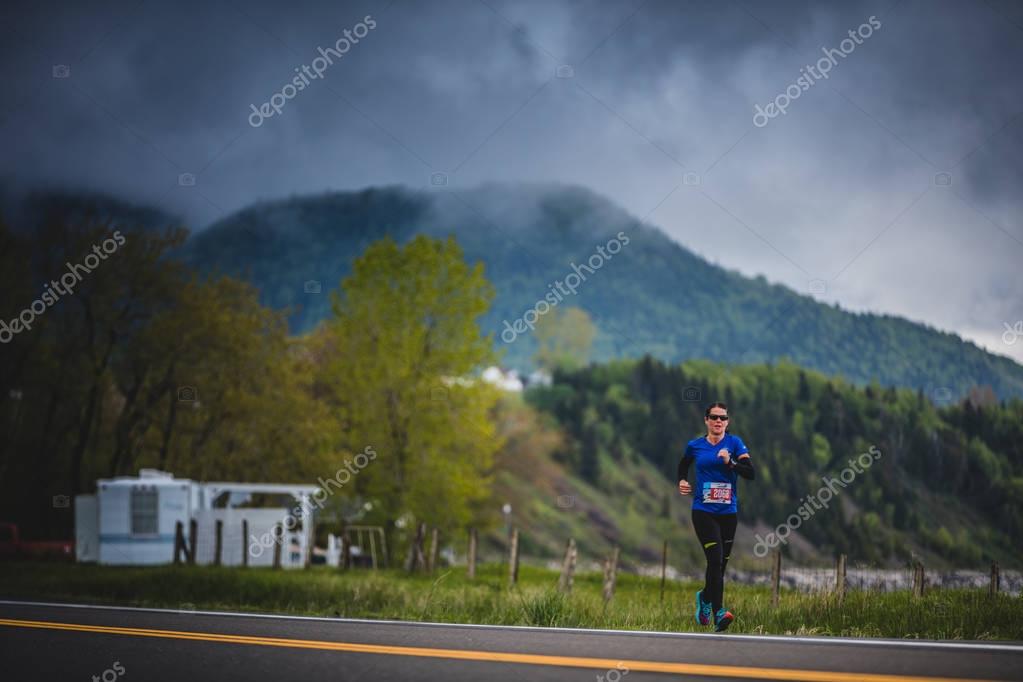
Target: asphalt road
{"points": [[67, 642]]}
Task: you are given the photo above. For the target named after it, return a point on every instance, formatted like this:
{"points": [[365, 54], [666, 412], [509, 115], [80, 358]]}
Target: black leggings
{"points": [[716, 533]]}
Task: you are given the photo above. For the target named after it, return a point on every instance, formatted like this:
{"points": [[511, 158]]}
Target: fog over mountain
{"points": [[544, 246], [843, 197]]}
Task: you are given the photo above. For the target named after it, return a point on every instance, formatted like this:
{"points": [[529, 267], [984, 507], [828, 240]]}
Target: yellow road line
{"points": [[494, 656]]}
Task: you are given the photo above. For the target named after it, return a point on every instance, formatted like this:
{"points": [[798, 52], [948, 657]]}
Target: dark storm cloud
{"points": [[840, 189]]}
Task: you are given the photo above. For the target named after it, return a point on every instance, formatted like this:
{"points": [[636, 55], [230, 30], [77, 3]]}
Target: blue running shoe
{"points": [[703, 609], [722, 619]]}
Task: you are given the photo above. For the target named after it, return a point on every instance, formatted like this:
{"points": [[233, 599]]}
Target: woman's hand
{"points": [[684, 488], [725, 455]]}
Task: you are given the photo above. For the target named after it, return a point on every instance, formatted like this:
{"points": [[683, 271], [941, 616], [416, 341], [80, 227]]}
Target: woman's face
{"points": [[715, 424]]}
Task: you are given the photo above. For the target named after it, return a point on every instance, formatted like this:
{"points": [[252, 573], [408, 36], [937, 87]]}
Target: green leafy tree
{"points": [[139, 362], [401, 349]]}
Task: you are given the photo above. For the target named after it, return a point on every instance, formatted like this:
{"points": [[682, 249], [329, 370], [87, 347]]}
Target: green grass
{"points": [[447, 596]]}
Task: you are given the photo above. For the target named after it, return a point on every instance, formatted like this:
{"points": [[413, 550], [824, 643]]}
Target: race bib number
{"points": [[717, 493]]}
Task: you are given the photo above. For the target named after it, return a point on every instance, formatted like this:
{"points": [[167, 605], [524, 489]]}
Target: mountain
{"points": [[654, 296], [29, 210]]}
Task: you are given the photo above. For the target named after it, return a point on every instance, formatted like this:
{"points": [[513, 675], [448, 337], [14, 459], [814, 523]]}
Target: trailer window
{"points": [[143, 511]]}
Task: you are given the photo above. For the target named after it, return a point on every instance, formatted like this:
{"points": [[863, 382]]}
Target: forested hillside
{"points": [[947, 483], [653, 297]]}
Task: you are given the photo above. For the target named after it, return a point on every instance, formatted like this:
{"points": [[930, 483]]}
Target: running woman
{"points": [[720, 458]]}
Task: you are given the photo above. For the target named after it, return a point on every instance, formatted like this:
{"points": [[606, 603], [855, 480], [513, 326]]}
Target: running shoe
{"points": [[722, 619], [703, 609]]}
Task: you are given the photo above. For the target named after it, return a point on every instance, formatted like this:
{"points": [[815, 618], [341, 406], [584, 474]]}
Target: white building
{"points": [[505, 380], [133, 521]]}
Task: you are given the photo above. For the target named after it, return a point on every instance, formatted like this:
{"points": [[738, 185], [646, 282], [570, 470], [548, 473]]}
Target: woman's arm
{"points": [[683, 467], [683, 474], [743, 466]]}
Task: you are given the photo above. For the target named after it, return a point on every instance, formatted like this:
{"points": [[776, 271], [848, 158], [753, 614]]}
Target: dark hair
{"points": [[712, 406]]}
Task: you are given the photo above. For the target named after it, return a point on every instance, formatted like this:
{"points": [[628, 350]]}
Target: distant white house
{"points": [[133, 520], [506, 380]]}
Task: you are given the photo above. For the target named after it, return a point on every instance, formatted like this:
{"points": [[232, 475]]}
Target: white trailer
{"points": [[221, 502], [133, 521], [137, 517]]}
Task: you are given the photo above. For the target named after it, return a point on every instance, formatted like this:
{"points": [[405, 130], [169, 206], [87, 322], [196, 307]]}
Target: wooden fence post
{"points": [[610, 575], [344, 549], [344, 554], [218, 546], [245, 543], [513, 558], [775, 576], [179, 541], [307, 552], [664, 567], [995, 578], [840, 578], [193, 533], [431, 560], [278, 541], [383, 549], [918, 579], [420, 541], [568, 567], [373, 549], [415, 554], [472, 553]]}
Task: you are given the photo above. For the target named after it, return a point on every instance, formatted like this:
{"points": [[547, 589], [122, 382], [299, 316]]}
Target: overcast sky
{"points": [[840, 197]]}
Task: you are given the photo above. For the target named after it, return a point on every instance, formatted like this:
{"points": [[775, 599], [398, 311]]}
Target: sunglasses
{"points": [[717, 417]]}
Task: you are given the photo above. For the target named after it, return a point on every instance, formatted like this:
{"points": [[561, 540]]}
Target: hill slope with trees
{"points": [[654, 297], [946, 484]]}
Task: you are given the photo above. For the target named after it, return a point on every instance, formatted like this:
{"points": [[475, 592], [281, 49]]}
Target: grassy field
{"points": [[447, 596]]}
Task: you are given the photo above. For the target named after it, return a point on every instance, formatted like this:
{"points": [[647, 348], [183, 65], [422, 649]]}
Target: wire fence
{"points": [[216, 542], [871, 576], [774, 571]]}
